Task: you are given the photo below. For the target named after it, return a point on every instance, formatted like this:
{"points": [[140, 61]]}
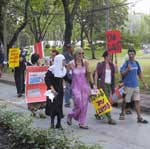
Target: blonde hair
{"points": [[77, 50]]}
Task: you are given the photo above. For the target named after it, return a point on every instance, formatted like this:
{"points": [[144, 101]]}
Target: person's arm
{"points": [[125, 69], [116, 66], [89, 74], [141, 77]]}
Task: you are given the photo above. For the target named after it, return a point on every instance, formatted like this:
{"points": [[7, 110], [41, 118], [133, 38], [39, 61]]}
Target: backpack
{"points": [[127, 61]]}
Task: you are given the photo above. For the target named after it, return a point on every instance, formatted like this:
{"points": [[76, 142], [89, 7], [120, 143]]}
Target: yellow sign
{"points": [[14, 57], [100, 102]]}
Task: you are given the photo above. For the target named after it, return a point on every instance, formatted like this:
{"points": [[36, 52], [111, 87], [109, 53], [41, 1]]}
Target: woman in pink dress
{"points": [[80, 88]]}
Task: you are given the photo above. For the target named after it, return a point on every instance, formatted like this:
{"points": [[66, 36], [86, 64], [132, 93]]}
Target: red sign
{"points": [[113, 41], [35, 85], [38, 48]]}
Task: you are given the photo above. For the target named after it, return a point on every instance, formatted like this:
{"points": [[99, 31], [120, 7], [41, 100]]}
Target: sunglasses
{"points": [[81, 53]]}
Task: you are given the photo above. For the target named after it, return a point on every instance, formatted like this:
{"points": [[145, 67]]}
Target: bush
{"points": [[22, 135]]}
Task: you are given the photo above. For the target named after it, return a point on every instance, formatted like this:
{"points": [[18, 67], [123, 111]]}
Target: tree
{"points": [[70, 10], [92, 19], [42, 15], [15, 19]]}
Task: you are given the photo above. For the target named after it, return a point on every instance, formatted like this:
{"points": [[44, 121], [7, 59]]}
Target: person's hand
{"points": [[145, 85], [129, 67], [94, 87]]}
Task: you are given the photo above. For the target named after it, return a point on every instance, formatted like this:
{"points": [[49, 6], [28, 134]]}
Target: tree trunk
{"points": [[22, 26], [69, 17], [82, 31]]}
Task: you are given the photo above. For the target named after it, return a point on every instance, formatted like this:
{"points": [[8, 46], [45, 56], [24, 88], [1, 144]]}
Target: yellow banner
{"points": [[14, 57], [100, 102]]}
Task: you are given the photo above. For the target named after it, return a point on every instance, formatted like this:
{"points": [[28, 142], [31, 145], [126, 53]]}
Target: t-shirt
{"points": [[131, 80]]}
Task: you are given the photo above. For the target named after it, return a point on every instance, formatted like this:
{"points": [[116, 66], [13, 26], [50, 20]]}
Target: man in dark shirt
{"points": [[68, 57]]}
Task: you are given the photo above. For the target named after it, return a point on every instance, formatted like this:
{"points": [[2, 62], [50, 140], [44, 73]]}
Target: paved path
{"points": [[127, 134]]}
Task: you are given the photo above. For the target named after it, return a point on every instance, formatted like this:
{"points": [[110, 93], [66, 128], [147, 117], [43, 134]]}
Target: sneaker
{"points": [[141, 120]]}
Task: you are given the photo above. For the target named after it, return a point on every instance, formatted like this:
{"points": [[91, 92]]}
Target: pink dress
{"points": [[80, 93]]}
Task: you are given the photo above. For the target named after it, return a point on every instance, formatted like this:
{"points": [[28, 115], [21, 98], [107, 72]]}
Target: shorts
{"points": [[132, 93]]}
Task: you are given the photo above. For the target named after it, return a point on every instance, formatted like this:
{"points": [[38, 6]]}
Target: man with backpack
{"points": [[129, 71]]}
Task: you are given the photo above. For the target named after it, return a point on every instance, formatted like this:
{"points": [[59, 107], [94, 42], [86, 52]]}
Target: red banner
{"points": [[113, 41], [38, 48], [35, 85]]}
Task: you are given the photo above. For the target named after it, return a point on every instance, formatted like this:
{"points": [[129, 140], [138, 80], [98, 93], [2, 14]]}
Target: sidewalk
{"points": [[126, 134], [8, 78]]}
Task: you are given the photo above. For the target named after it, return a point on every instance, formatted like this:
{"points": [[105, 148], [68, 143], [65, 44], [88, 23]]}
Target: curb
{"points": [[7, 82]]}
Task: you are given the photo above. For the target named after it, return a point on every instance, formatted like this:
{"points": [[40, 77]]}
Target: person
{"points": [[130, 70], [53, 53], [105, 73], [37, 107], [54, 82], [69, 57], [80, 88], [1, 61], [19, 74]]}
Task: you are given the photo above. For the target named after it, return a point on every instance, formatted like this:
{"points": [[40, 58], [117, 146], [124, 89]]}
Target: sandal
{"points": [[141, 120], [121, 117], [69, 122], [83, 127], [112, 122]]}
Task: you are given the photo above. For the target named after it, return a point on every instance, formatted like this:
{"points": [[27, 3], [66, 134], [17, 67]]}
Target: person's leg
{"points": [[52, 121], [128, 108], [75, 113], [108, 115], [122, 114], [84, 107], [138, 109], [58, 125], [17, 82], [22, 82], [67, 95]]}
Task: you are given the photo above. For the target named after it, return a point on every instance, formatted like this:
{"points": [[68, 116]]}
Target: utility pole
{"points": [[107, 17], [5, 39]]}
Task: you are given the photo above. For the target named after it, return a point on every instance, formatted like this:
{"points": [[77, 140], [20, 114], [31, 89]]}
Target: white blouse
{"points": [[108, 76]]}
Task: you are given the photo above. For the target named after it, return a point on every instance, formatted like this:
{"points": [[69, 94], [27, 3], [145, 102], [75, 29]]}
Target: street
{"points": [[127, 134]]}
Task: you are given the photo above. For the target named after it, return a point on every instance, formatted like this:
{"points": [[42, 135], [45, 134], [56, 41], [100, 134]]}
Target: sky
{"points": [[142, 6]]}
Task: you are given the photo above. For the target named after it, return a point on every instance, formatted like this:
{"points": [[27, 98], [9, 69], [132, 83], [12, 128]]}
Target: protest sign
{"points": [[14, 57], [100, 102], [38, 48], [113, 41], [35, 85]]}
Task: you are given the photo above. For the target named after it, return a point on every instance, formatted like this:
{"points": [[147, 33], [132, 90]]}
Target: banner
{"points": [[100, 102], [35, 85], [113, 41], [14, 57], [38, 48]]}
